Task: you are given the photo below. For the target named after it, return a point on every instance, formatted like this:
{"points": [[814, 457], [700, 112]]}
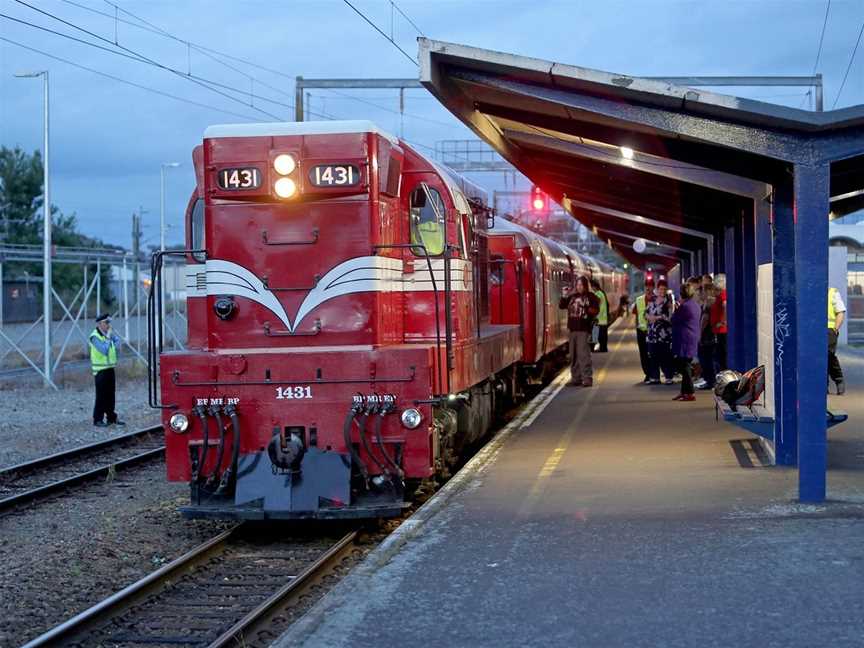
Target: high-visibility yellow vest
{"points": [[832, 316], [641, 320], [98, 360], [603, 315]]}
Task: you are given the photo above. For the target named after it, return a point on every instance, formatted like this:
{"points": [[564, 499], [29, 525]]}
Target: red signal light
{"points": [[539, 200]]}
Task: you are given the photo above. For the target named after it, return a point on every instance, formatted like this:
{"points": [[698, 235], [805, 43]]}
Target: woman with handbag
{"points": [[685, 339]]}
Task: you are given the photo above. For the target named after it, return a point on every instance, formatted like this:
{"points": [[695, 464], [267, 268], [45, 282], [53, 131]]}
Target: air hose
{"points": [[379, 423], [214, 475], [229, 476], [370, 410], [201, 413], [346, 435]]}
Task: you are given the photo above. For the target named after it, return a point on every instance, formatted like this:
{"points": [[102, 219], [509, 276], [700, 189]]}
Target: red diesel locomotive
{"points": [[354, 323]]}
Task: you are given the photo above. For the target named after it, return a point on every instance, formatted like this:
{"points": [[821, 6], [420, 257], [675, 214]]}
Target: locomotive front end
{"points": [[297, 396]]}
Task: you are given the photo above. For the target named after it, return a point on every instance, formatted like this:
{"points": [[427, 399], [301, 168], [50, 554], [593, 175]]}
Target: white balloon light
{"points": [[639, 245]]}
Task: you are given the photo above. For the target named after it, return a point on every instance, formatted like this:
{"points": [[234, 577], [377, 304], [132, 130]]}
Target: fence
{"points": [[111, 281]]}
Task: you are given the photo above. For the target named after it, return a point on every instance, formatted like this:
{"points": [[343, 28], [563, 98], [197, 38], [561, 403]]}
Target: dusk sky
{"points": [[109, 138]]}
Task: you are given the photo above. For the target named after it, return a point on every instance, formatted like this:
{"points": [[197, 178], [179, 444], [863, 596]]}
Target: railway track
{"points": [[32, 480], [236, 589]]}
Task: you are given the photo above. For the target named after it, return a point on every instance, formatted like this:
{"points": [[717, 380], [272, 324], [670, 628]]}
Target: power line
{"points": [[822, 37], [405, 16], [156, 63], [376, 28], [131, 83], [849, 67], [190, 45], [199, 46], [390, 110], [146, 62]]}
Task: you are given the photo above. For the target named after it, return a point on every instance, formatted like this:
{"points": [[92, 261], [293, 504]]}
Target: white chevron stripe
{"points": [[360, 274]]}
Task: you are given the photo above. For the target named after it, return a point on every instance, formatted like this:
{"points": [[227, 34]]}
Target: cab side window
{"points": [[426, 210], [197, 230]]}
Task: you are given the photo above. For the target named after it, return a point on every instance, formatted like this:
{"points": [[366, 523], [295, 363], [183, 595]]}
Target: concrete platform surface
{"points": [[618, 518]]}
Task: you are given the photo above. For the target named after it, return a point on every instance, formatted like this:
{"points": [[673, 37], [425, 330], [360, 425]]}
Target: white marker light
{"points": [[285, 187], [411, 418], [627, 152], [179, 422], [284, 164]]}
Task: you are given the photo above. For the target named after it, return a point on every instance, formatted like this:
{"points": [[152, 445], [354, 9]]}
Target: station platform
{"points": [[617, 517]]}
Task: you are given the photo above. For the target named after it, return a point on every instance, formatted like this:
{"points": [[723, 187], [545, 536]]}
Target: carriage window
{"points": [[427, 220], [197, 230]]}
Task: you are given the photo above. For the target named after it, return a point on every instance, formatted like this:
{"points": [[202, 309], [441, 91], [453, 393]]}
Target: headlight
{"points": [[411, 418], [285, 187], [284, 164], [179, 422]]}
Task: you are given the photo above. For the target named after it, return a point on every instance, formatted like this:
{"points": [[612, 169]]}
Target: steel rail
{"points": [[61, 457], [157, 581], [261, 615], [131, 594]]}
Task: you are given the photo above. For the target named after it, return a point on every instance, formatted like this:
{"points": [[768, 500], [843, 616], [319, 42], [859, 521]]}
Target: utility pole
{"points": [[136, 255]]}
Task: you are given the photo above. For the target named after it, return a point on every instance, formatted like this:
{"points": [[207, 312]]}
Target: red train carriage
{"points": [[341, 348]]}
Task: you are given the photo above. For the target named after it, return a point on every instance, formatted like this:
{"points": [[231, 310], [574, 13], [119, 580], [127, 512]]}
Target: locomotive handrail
{"points": [[315, 279], [267, 241], [175, 379], [155, 323], [420, 246], [316, 329]]}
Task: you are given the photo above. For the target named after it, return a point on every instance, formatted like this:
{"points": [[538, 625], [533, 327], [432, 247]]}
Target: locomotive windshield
{"points": [[427, 220]]}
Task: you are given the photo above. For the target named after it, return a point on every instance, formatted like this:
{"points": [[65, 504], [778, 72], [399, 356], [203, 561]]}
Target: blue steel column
{"points": [[746, 328], [811, 295], [733, 297], [786, 339]]}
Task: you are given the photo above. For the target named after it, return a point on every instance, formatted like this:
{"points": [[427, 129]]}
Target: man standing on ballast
{"points": [[103, 359]]}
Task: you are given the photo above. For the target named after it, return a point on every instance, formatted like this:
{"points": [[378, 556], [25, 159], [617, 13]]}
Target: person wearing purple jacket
{"points": [[685, 339]]}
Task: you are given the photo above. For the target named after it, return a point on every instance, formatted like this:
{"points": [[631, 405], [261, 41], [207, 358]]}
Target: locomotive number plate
{"points": [[291, 393], [239, 179], [334, 175]]}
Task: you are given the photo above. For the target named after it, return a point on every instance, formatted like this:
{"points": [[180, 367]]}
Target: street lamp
{"points": [[46, 229], [165, 165]]}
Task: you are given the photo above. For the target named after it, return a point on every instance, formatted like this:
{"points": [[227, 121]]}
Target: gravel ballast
{"points": [[39, 421]]}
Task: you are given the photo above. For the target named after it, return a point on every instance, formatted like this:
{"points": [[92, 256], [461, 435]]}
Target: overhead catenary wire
{"points": [[204, 52], [849, 67], [822, 37], [378, 29], [405, 16], [139, 59], [156, 63], [127, 82]]}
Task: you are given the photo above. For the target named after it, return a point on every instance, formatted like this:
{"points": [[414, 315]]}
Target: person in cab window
{"points": [[836, 316], [582, 307], [427, 220]]}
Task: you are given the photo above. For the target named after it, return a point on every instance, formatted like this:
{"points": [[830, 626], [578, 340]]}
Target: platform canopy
{"points": [[723, 184], [636, 157]]}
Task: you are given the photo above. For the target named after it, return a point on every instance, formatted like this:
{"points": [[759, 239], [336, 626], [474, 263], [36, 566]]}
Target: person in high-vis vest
{"points": [[639, 307], [836, 316], [103, 359], [602, 318]]}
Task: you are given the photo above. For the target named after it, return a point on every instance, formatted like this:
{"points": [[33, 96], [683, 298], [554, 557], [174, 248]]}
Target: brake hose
{"points": [[379, 423], [361, 424], [346, 435], [214, 411], [201, 412], [229, 475]]}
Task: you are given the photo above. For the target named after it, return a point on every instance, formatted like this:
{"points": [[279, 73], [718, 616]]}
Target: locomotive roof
{"points": [[274, 129]]}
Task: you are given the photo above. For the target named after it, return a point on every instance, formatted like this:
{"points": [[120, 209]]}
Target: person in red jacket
{"points": [[718, 321], [582, 307]]}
